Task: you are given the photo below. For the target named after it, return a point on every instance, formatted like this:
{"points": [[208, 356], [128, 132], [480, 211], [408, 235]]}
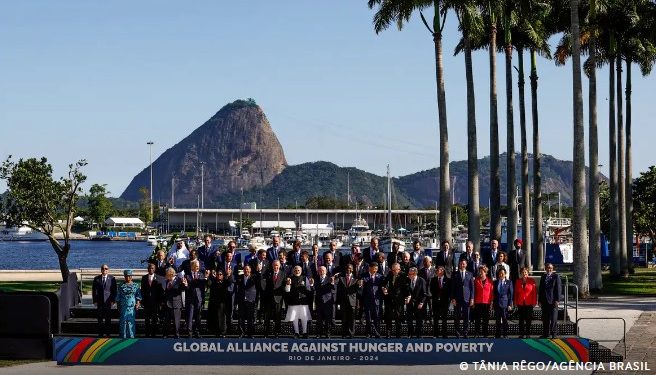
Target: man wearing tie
{"points": [[517, 259], [331, 267], [445, 259], [462, 297], [383, 267], [360, 269], [273, 286], [260, 265], [347, 294], [172, 301], [195, 298], [440, 293], [294, 256], [490, 257], [337, 255], [503, 300], [371, 251], [370, 287], [548, 297], [325, 296], [475, 263], [205, 252], [468, 255], [427, 272], [396, 293], [272, 252], [151, 298], [103, 291], [416, 304], [246, 297]]}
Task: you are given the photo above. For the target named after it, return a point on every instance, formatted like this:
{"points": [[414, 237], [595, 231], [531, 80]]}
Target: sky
{"points": [[97, 80]]}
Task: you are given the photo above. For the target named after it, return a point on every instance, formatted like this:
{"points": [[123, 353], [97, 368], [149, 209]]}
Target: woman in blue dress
{"points": [[128, 300]]}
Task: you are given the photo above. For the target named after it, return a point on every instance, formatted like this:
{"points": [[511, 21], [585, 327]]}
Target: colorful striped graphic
{"points": [[561, 350], [89, 350]]}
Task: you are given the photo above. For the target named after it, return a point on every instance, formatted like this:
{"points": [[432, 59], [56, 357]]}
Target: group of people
{"points": [[391, 288]]}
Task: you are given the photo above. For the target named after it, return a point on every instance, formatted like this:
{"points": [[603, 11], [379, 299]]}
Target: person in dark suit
{"points": [[395, 256], [246, 298], [468, 255], [347, 295], [273, 287], [416, 304], [161, 264], [173, 287], [444, 258], [475, 264], [417, 255], [490, 256], [260, 265], [350, 258], [252, 254], [360, 268], [284, 265], [220, 302], [103, 291], [462, 297], [214, 260], [549, 297], [503, 302], [272, 252], [370, 287], [206, 251], [517, 259], [186, 264], [325, 297], [331, 266], [406, 263], [306, 264], [369, 253], [440, 294], [383, 269], [396, 293], [151, 299], [427, 271], [294, 256], [229, 263], [194, 297], [338, 259]]}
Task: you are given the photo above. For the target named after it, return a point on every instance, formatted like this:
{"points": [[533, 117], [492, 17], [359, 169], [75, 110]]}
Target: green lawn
{"points": [[32, 286], [641, 283]]}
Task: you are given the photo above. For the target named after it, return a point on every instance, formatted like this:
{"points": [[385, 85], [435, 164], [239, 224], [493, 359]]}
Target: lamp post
{"points": [[202, 184], [150, 151]]}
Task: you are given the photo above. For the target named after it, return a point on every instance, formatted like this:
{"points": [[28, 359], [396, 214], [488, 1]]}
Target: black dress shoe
{"points": [[305, 335], [296, 335]]}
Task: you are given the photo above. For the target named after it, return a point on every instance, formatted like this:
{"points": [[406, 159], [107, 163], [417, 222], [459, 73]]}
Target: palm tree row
{"points": [[616, 32]]}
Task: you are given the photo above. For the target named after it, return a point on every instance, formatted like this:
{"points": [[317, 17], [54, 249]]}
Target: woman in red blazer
{"points": [[483, 296], [526, 296]]}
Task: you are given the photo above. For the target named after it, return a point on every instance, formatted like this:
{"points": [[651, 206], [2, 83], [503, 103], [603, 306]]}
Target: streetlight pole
{"points": [[202, 184], [150, 147]]}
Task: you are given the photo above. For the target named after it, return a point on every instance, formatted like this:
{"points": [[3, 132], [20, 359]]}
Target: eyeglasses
{"points": [[105, 268]]}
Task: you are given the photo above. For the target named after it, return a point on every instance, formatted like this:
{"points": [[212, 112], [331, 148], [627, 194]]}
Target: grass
{"points": [[641, 283], [18, 362], [29, 286]]}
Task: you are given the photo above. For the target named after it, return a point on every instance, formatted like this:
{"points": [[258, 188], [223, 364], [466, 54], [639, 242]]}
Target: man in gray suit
{"points": [[103, 291], [173, 287], [347, 294]]}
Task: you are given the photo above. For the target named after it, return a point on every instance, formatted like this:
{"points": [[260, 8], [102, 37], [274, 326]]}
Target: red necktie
{"points": [[348, 280]]}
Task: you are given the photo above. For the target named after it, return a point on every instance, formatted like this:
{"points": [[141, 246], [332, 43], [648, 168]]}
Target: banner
{"points": [[148, 351]]}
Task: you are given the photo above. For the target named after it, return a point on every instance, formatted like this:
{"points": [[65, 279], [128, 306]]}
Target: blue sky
{"points": [[97, 80]]}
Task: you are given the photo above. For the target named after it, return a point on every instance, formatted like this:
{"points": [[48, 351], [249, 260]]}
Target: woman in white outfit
{"points": [[502, 257], [298, 291]]}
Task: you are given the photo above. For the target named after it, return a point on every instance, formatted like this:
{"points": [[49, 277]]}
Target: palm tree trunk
{"points": [[511, 192], [495, 178], [537, 173], [629, 175], [578, 178], [594, 226], [445, 183], [615, 266], [526, 194], [621, 222], [474, 217]]}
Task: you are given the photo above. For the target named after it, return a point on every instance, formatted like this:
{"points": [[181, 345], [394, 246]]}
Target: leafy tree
{"points": [[35, 199], [644, 203], [145, 210], [100, 207]]}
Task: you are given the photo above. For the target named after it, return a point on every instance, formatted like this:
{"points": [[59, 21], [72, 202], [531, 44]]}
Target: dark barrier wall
{"points": [[68, 297], [25, 326]]}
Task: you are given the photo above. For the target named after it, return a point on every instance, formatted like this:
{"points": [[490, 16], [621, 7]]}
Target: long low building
{"points": [[217, 219]]}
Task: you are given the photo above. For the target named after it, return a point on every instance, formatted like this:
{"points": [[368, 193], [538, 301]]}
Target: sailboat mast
{"points": [[389, 201]]}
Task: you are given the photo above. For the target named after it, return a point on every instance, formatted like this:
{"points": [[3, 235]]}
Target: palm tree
{"points": [[579, 223], [511, 192], [470, 22], [399, 12]]}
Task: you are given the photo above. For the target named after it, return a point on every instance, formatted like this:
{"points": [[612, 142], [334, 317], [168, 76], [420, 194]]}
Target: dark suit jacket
{"points": [[337, 258], [272, 253], [361, 270], [427, 274], [549, 290], [462, 290], [335, 269], [247, 291], [173, 293], [213, 261], [446, 262], [405, 267], [347, 294], [417, 257], [274, 291], [186, 266], [394, 258], [397, 290], [104, 294], [366, 255], [195, 292], [220, 292], [307, 269], [441, 296], [489, 259], [473, 268], [503, 296], [204, 254], [160, 267], [266, 265], [381, 271], [151, 293], [325, 293], [418, 294], [516, 262], [372, 294]]}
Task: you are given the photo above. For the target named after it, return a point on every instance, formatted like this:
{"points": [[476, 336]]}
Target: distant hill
{"points": [[241, 152]]}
